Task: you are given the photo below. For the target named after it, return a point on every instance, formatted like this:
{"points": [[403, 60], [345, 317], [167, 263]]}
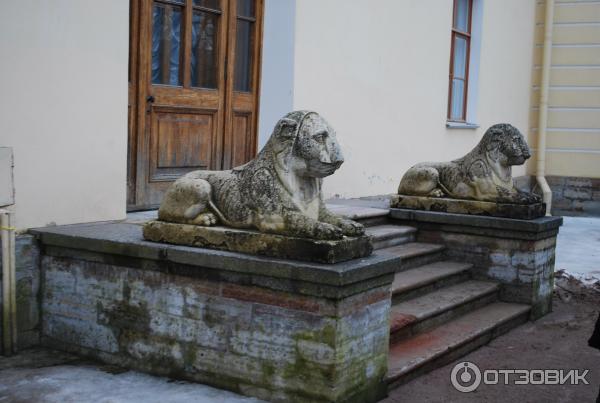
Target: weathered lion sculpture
{"points": [[277, 192], [484, 174]]}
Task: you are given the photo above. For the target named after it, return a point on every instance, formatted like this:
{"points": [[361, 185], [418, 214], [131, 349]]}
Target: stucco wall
{"points": [[63, 108], [573, 133], [277, 82], [379, 74]]}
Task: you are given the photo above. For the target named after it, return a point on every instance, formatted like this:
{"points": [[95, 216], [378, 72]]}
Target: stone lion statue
{"points": [[484, 174], [277, 192]]}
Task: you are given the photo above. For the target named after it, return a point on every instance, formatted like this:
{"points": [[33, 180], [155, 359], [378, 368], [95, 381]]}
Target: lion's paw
{"points": [[436, 193], [352, 228], [328, 231], [205, 220]]}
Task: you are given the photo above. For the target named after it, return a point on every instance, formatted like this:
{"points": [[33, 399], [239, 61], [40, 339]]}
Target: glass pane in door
{"points": [[245, 8], [166, 44], [243, 56], [205, 28], [214, 4], [244, 42]]}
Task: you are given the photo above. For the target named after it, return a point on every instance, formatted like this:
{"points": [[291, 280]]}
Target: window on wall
{"points": [[459, 60]]}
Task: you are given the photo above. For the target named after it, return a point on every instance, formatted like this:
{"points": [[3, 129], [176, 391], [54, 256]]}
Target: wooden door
{"points": [[190, 109]]}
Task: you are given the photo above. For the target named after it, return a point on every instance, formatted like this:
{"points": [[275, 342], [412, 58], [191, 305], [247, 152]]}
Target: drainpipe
{"points": [[9, 294], [543, 116]]}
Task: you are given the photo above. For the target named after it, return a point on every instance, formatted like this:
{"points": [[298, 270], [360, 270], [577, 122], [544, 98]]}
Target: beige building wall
{"points": [[63, 108], [573, 134], [378, 71]]}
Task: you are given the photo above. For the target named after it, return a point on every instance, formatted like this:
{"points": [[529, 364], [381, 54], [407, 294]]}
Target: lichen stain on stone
{"points": [[325, 335], [124, 316]]}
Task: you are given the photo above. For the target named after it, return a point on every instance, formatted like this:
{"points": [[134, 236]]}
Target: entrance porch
{"points": [[286, 330]]}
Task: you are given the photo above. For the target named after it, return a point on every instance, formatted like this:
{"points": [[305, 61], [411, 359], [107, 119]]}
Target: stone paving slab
{"points": [[126, 240], [536, 225]]}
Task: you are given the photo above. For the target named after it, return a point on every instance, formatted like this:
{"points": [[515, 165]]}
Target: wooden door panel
{"points": [[240, 143], [181, 141]]}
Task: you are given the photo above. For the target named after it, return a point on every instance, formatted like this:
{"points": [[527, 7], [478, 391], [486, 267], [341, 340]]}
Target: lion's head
{"points": [[303, 142], [505, 144]]}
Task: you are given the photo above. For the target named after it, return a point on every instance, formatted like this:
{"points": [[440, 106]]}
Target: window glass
{"points": [[460, 57], [204, 49], [458, 94], [166, 44], [244, 42], [461, 16]]}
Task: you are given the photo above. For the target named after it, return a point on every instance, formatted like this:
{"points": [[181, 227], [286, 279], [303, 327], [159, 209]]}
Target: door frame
{"points": [[138, 90]]}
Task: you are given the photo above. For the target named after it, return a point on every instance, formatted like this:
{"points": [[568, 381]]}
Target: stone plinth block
{"points": [[471, 207], [258, 243], [519, 254], [280, 330]]}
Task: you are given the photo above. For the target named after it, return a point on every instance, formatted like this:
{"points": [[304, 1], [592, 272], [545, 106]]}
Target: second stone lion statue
{"points": [[277, 192], [484, 174]]}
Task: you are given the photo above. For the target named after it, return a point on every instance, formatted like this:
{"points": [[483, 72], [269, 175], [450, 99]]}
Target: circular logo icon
{"points": [[465, 377]]}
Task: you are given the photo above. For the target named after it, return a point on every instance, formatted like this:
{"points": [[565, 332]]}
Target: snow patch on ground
{"points": [[578, 249], [68, 383]]}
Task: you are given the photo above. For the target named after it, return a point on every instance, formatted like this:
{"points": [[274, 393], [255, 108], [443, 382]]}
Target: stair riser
{"points": [[443, 317], [461, 351], [443, 282], [411, 263], [388, 243]]}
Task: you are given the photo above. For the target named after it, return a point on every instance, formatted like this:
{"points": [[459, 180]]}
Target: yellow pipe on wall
{"points": [[543, 116], [9, 294]]}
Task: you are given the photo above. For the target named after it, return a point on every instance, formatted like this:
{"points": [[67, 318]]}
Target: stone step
{"points": [[414, 254], [385, 236], [420, 280], [368, 216], [422, 313], [444, 344]]}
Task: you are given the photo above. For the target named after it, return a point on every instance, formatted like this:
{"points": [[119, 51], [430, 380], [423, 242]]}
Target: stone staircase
{"points": [[439, 312]]}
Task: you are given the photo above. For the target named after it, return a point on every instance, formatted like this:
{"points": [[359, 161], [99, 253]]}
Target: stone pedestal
{"points": [[517, 253], [471, 207], [276, 329], [259, 243]]}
